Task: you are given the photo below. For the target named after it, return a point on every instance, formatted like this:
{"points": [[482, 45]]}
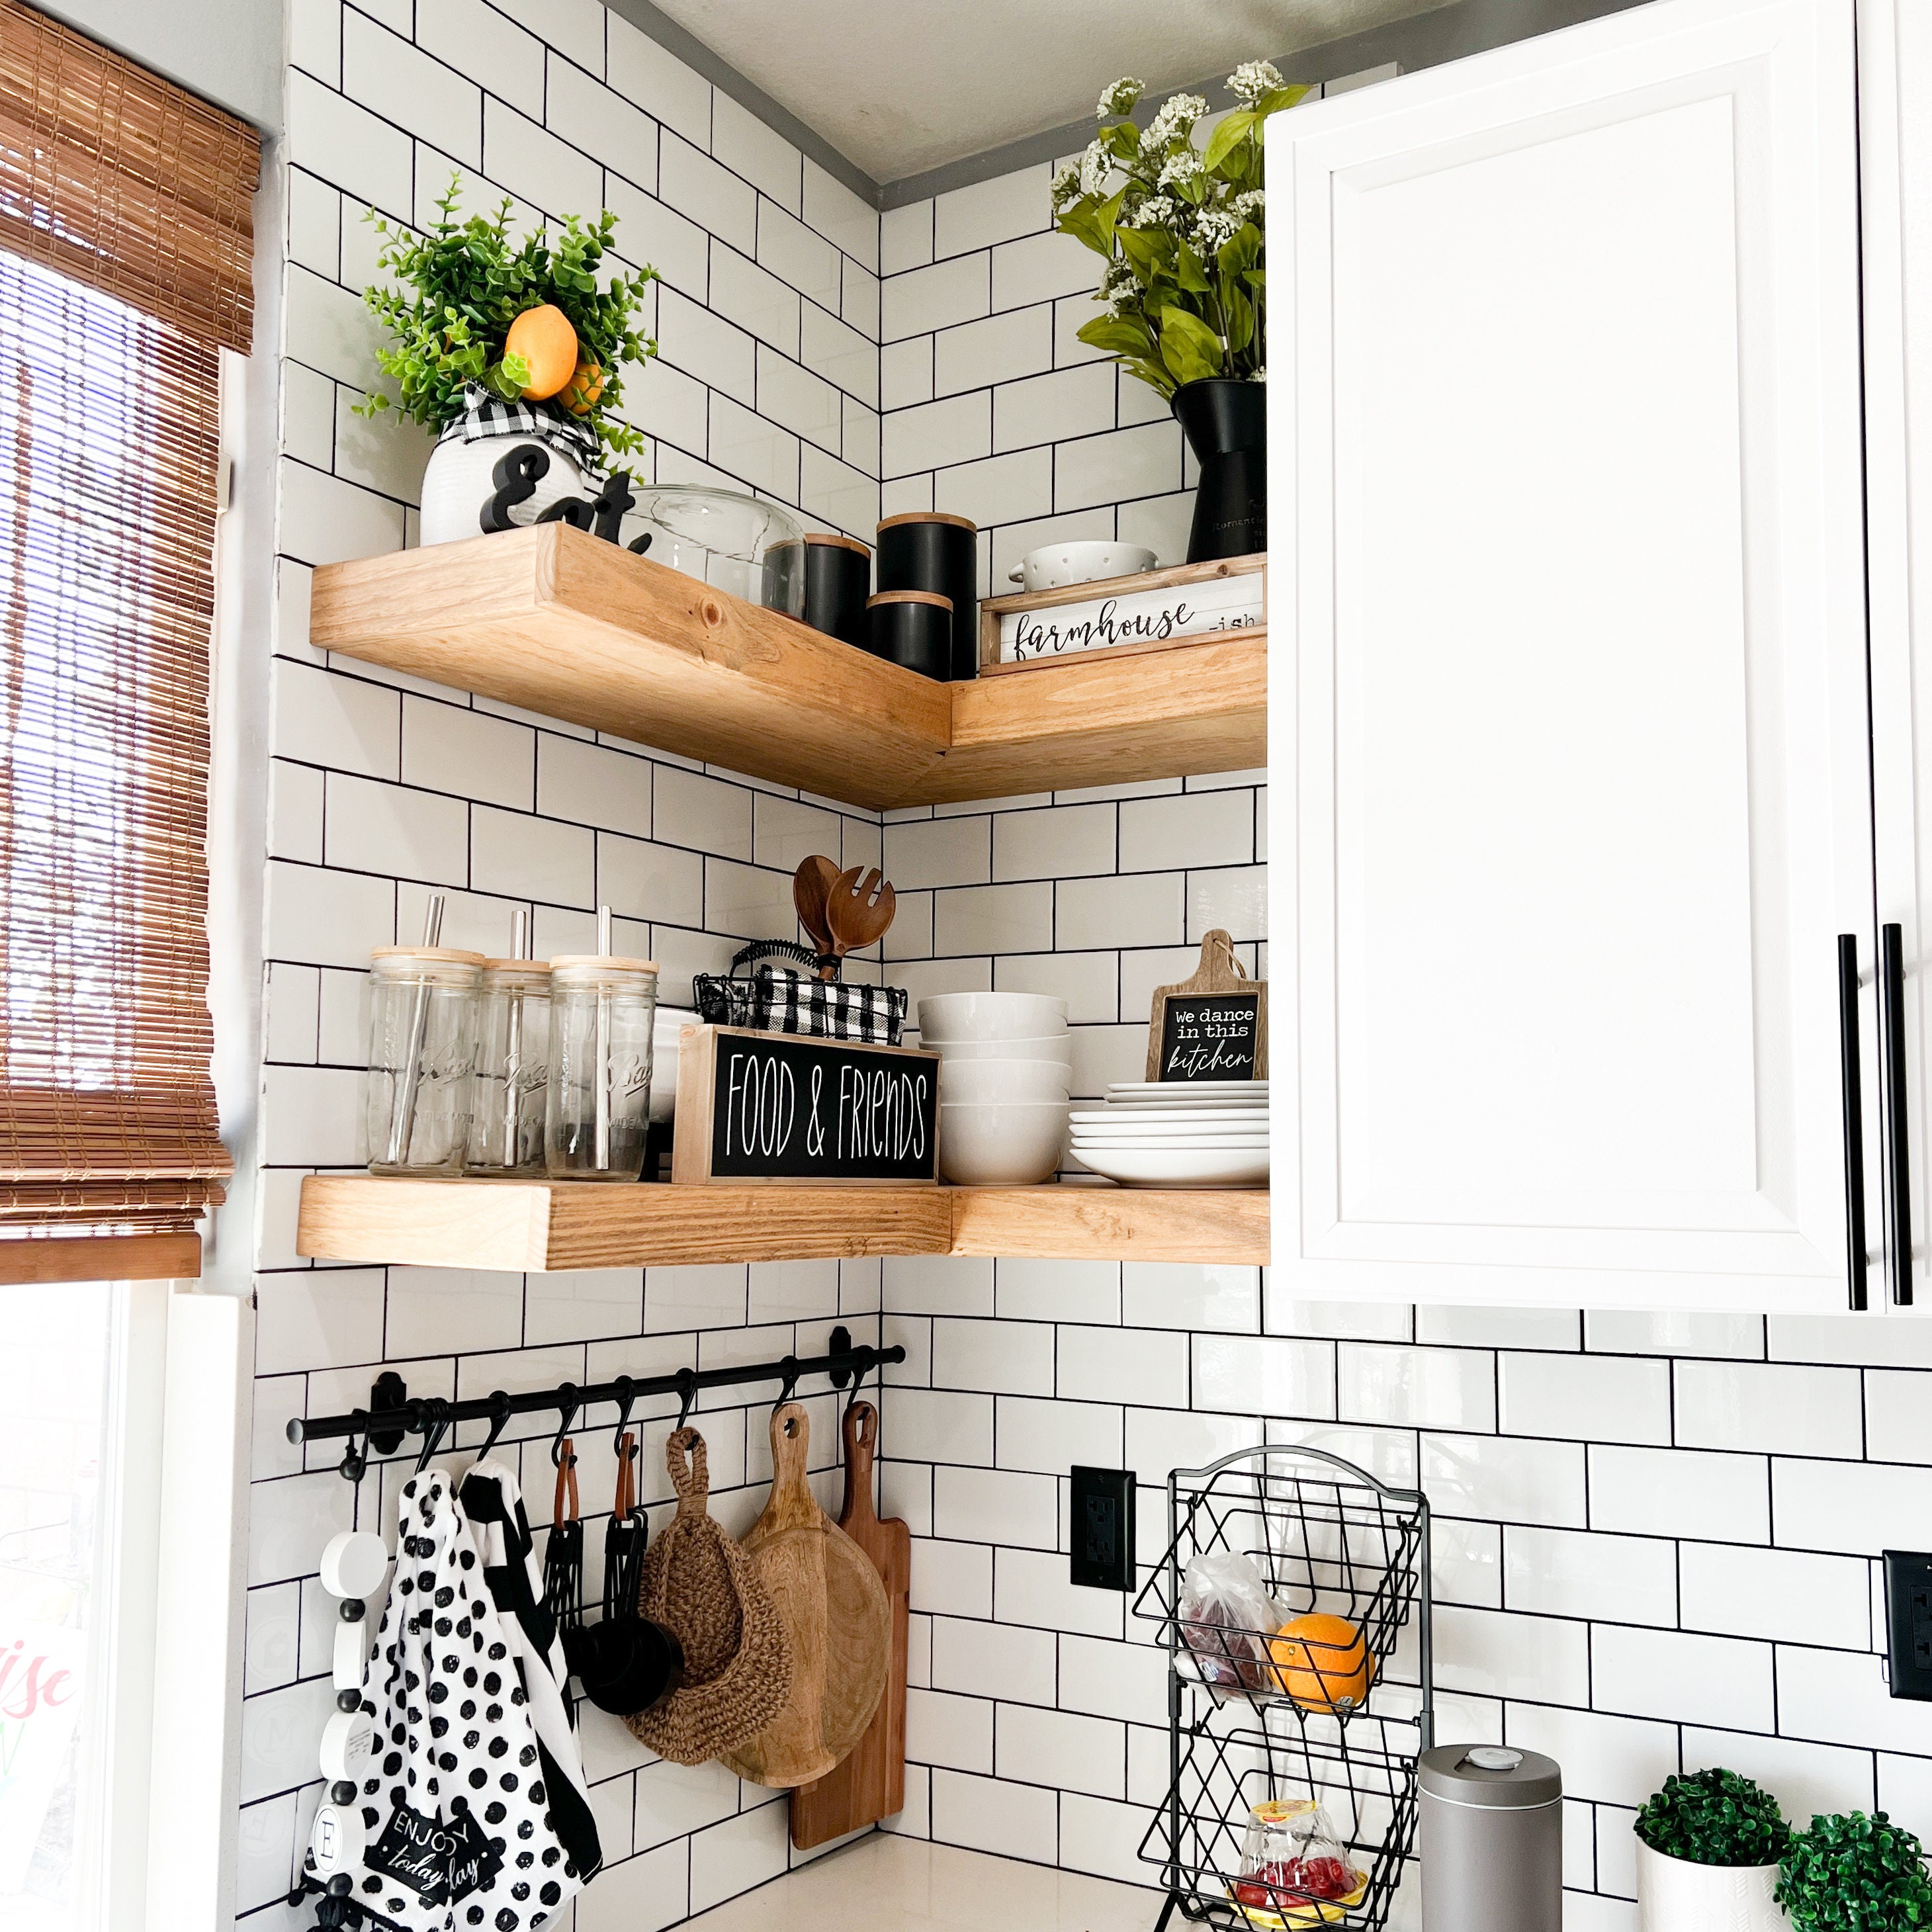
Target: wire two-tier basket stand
{"points": [[1326, 1536]]}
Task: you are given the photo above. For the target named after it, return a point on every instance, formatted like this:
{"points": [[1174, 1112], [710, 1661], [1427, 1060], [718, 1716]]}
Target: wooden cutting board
{"points": [[836, 1613], [871, 1784]]}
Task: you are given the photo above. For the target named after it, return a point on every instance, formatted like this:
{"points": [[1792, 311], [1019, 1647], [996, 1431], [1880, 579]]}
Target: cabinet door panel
{"points": [[1895, 115], [1568, 666]]}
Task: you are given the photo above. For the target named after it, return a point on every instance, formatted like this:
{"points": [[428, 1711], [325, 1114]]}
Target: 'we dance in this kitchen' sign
{"points": [[1163, 612]]}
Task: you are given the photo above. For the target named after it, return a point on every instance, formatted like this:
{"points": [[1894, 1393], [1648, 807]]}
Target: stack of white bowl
{"points": [[1003, 1082], [1179, 1133]]}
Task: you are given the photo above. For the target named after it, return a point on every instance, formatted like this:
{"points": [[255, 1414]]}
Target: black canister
{"points": [[912, 628], [927, 549], [838, 580]]}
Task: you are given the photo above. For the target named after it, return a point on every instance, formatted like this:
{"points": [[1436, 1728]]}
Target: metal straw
{"points": [[513, 1052], [402, 1108], [603, 1045]]}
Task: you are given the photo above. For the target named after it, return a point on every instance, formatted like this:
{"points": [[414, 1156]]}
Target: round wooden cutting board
{"points": [[835, 1612]]}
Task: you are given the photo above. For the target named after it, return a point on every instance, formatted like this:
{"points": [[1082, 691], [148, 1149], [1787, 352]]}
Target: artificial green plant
{"points": [[1714, 1817], [1853, 1873], [1181, 228], [464, 284]]}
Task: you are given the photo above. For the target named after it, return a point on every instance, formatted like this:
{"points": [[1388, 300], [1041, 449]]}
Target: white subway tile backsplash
{"points": [[1597, 1399], [1683, 1678], [1252, 1375], [1043, 1291], [1145, 1366], [1499, 1654], [719, 202], [1060, 1749], [1509, 1481], [600, 121], [1682, 1332], [1680, 1492], [1122, 463], [922, 300], [1428, 1388], [997, 349], [1075, 402], [1568, 1572], [905, 238], [1860, 1508], [954, 430], [1789, 1595], [998, 210], [536, 166], [1186, 1295], [842, 217], [1015, 1821], [764, 157], [756, 302], [1159, 835], [1038, 267], [658, 82], [993, 1661], [993, 918], [955, 1732], [1049, 1436], [1001, 489], [1014, 1508], [1896, 1412], [1793, 1411], [1141, 911]]}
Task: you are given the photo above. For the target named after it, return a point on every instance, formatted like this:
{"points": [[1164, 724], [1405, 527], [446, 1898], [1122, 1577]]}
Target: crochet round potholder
{"points": [[700, 1586]]}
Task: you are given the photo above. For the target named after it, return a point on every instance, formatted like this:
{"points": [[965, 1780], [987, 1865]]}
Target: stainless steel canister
{"points": [[1492, 1839]]}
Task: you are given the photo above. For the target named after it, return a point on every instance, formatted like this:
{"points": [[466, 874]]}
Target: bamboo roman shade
{"points": [[125, 252]]}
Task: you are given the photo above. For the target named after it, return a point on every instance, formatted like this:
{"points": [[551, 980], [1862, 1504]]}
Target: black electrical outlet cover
{"points": [[1908, 1598], [1103, 1529]]}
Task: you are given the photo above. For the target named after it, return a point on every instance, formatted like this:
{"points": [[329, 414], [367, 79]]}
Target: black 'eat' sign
{"points": [[754, 1105], [1210, 1036]]}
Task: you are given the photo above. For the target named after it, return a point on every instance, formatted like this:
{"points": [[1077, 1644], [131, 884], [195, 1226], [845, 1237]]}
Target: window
{"points": [[125, 253]]}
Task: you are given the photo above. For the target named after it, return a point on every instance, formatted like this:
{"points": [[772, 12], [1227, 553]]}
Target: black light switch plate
{"points": [[1103, 1529], [1908, 1599]]}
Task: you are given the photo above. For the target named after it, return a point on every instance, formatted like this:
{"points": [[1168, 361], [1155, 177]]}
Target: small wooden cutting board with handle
{"points": [[834, 1608], [871, 1784]]}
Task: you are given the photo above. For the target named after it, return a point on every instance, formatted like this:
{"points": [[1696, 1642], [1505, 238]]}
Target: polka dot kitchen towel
{"points": [[457, 1809]]}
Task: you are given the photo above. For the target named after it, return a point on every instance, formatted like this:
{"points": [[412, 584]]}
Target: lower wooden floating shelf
{"points": [[541, 1226]]}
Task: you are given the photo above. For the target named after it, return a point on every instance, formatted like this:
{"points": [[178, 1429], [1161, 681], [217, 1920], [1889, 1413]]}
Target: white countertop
{"points": [[882, 1883]]}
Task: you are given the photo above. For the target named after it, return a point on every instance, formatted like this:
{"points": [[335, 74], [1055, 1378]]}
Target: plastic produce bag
{"points": [[1295, 1870], [1227, 1617]]}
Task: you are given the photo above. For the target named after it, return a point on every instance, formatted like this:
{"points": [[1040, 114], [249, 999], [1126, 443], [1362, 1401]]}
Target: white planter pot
{"points": [[461, 479], [1674, 1895]]}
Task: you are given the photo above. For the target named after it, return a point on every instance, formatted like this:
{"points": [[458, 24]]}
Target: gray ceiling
{"points": [[901, 87]]}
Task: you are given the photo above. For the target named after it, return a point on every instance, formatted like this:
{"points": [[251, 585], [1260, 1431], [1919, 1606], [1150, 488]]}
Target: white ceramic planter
{"points": [[1674, 1895], [461, 478]]}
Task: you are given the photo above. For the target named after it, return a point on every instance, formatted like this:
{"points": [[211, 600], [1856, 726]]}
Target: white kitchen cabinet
{"points": [[1569, 726], [1895, 127]]}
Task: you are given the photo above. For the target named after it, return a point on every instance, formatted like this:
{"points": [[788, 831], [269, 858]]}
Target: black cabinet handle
{"points": [[1898, 1147], [1854, 1129]]}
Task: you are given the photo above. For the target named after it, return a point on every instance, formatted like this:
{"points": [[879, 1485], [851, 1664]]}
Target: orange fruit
{"points": [[1322, 1662], [585, 386], [544, 339]]}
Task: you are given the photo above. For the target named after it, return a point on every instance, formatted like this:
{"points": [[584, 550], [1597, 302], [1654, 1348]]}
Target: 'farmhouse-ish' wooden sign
{"points": [[1147, 612]]}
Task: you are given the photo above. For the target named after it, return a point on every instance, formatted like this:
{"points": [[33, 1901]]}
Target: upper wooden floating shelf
{"points": [[540, 1226], [555, 621]]}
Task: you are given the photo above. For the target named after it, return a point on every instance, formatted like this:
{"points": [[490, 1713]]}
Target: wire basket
{"points": [[1363, 1773], [1299, 1712]]}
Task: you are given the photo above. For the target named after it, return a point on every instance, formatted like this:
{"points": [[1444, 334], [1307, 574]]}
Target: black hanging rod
{"points": [[420, 1415]]}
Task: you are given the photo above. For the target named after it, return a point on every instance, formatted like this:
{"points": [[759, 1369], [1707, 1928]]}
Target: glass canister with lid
{"points": [[506, 1133], [602, 1010], [417, 1092]]}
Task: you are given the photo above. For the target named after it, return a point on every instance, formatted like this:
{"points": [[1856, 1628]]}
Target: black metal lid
{"points": [[1493, 1777]]}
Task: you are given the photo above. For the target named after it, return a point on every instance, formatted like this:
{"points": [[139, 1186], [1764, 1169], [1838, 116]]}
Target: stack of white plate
{"points": [[1191, 1133], [1004, 1076]]}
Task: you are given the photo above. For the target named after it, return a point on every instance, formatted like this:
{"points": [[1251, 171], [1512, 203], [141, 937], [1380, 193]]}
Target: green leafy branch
{"points": [[464, 282]]}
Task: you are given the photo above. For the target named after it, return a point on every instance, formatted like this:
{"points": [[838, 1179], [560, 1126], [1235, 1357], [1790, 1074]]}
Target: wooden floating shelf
{"points": [[556, 621], [541, 1226]]}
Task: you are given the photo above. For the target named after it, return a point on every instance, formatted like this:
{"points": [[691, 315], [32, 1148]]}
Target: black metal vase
{"points": [[1225, 423]]}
